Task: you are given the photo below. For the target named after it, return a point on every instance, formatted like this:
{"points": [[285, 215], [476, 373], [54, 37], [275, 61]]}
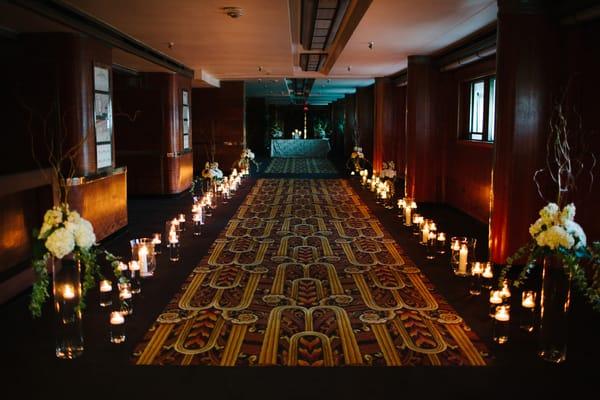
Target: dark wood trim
{"points": [[68, 15]]}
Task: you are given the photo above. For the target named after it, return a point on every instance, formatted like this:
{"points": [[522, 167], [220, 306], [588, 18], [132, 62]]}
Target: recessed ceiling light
{"points": [[348, 68], [371, 45], [259, 68]]}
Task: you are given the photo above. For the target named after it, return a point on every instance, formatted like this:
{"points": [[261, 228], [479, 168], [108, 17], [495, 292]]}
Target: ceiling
{"points": [[206, 39], [324, 91]]}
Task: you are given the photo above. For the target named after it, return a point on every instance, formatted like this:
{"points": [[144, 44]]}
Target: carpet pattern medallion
{"points": [[305, 275], [300, 166]]}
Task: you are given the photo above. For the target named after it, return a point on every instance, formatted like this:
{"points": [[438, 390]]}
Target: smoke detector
{"points": [[233, 12]]}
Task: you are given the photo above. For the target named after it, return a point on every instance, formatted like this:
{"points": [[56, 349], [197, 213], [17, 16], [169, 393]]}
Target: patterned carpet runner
{"points": [[300, 166], [304, 275]]}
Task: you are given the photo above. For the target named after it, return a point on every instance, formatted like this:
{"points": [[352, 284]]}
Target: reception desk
{"points": [[300, 148]]}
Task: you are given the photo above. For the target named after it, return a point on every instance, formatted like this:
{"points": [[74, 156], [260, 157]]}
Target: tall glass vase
{"points": [[66, 288], [554, 306]]}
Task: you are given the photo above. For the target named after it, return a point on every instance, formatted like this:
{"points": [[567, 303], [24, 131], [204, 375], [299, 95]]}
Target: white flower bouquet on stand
{"points": [[246, 158]]}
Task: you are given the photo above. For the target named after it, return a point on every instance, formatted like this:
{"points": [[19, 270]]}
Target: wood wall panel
{"points": [[423, 180], [467, 165], [103, 202], [399, 131], [350, 121], [149, 131], [365, 113], [384, 133], [218, 117], [526, 82], [257, 131]]}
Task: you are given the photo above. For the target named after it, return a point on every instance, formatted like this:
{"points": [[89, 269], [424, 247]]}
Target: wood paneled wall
{"points": [[257, 131], [218, 118], [48, 100], [365, 113], [399, 129], [385, 127], [149, 132], [338, 118], [467, 165], [350, 123]]}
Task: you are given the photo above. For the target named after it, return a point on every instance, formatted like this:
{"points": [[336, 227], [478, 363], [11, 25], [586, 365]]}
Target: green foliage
{"points": [[581, 264]]}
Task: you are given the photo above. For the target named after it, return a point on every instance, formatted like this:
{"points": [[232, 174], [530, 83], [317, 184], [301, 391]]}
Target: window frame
{"points": [[464, 132]]}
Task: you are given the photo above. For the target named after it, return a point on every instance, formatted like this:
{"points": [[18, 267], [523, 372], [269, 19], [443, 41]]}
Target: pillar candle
{"points": [[143, 260], [462, 259]]}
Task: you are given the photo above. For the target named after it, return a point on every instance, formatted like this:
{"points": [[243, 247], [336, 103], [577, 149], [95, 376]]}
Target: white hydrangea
{"points": [[556, 227], [555, 236], [53, 217], [84, 234], [60, 243]]}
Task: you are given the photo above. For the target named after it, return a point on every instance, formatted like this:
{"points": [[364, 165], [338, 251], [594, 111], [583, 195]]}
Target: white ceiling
{"points": [[205, 39]]}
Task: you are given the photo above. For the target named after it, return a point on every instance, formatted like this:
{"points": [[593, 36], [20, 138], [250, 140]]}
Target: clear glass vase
{"points": [[554, 310], [66, 288]]}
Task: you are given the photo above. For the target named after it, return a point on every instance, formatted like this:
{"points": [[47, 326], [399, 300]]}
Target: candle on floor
{"points": [[175, 224], [476, 271], [134, 268], [501, 324], [431, 245], [197, 222], [407, 216], [441, 243], [505, 292], [425, 233], [125, 298], [105, 293], [173, 247], [157, 242], [117, 325], [495, 301], [181, 220], [528, 314], [488, 275]]}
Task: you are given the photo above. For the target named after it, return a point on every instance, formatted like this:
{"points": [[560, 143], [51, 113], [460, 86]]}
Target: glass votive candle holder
{"points": [[431, 245], [197, 224], [495, 301], [416, 224], [441, 243], [142, 250], [105, 293], [488, 275], [528, 313], [501, 324], [126, 302], [123, 269], [117, 327], [173, 248], [476, 278], [135, 284], [181, 220], [505, 292], [425, 231], [408, 212], [157, 242], [123, 284]]}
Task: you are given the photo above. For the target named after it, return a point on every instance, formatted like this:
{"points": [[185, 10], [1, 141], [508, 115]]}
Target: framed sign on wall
{"points": [[103, 119], [185, 113]]}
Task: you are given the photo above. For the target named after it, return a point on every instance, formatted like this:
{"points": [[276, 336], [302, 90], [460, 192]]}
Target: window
{"points": [[480, 109], [186, 120]]}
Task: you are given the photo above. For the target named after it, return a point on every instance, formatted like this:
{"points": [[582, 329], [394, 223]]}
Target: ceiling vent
{"points": [[233, 12]]}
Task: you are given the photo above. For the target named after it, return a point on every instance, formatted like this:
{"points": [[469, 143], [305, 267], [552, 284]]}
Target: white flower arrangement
{"points": [[65, 232], [357, 153], [557, 227], [389, 170], [246, 158]]}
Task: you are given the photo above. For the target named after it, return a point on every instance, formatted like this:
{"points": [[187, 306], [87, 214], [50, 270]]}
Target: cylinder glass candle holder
{"points": [[135, 284], [117, 327], [528, 303], [456, 243], [488, 275], [408, 218], [142, 251], [501, 324], [431, 245], [505, 292], [441, 243], [416, 224], [126, 302], [476, 278], [197, 224], [123, 269], [105, 293], [173, 249], [124, 283], [181, 219], [157, 242], [495, 301]]}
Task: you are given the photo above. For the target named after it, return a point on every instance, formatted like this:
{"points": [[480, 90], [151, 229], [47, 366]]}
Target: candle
{"points": [[425, 232], [495, 300], [502, 314], [116, 318], [488, 272], [352, 173], [135, 284], [384, 195], [105, 286], [105, 293], [476, 269], [125, 294], [156, 239], [462, 260], [528, 300], [441, 243], [157, 242], [68, 292], [175, 224], [143, 260], [125, 297], [501, 324], [407, 216], [505, 291], [173, 237], [122, 267]]}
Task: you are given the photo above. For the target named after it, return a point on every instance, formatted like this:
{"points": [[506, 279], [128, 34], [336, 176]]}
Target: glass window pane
{"points": [[476, 136], [476, 107], [492, 109]]}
